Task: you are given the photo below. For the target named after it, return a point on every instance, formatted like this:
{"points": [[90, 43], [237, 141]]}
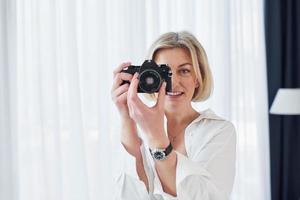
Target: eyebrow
{"points": [[184, 64]]}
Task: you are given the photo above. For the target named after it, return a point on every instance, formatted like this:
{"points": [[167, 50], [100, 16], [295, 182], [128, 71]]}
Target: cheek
{"points": [[193, 83]]}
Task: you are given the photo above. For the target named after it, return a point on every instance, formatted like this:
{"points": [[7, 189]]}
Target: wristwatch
{"points": [[161, 154]]}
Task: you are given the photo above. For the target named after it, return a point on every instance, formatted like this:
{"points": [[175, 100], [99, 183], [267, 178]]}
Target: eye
{"points": [[184, 71]]}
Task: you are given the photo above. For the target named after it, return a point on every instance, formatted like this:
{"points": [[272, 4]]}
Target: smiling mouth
{"points": [[174, 94]]}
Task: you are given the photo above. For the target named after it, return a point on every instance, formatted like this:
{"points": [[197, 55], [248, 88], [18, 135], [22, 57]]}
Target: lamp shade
{"points": [[286, 102]]}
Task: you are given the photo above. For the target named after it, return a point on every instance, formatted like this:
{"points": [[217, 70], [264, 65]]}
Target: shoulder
{"points": [[211, 122], [211, 132], [209, 126]]}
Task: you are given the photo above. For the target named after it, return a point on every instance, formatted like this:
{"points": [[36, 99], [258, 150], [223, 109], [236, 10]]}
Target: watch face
{"points": [[159, 155]]}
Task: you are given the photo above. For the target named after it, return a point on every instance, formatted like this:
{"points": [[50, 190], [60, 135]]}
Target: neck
{"points": [[181, 118]]}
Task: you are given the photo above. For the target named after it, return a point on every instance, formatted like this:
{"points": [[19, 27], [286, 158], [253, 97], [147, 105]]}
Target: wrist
{"points": [[158, 141], [161, 153]]}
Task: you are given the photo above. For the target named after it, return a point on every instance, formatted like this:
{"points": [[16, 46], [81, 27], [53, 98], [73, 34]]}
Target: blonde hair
{"points": [[201, 67]]}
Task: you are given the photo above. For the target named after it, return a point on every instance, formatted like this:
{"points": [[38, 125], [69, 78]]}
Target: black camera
{"points": [[151, 76]]}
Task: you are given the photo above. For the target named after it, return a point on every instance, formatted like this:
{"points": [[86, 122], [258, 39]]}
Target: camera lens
{"points": [[150, 81]]}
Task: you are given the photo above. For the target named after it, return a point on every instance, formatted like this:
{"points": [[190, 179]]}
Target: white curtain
{"points": [[58, 126]]}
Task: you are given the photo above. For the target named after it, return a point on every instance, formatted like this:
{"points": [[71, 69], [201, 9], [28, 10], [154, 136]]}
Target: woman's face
{"points": [[184, 80]]}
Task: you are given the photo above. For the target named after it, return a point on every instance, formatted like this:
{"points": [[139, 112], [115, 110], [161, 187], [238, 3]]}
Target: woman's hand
{"points": [[150, 119], [119, 92]]}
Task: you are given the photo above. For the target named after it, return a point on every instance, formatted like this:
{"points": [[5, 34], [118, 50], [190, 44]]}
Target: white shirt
{"points": [[207, 172]]}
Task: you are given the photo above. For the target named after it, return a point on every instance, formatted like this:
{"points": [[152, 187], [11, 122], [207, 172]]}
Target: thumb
{"points": [[161, 95]]}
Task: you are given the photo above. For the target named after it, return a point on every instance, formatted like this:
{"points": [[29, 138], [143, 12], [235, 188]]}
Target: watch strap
{"points": [[166, 151]]}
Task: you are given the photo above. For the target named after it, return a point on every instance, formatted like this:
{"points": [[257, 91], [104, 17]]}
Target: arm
{"points": [[129, 137], [151, 121], [166, 169], [209, 174], [132, 143]]}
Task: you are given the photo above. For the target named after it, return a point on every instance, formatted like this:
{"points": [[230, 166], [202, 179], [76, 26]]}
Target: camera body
{"points": [[151, 76]]}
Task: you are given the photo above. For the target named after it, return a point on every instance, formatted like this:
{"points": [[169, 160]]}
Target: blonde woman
{"points": [[184, 154]]}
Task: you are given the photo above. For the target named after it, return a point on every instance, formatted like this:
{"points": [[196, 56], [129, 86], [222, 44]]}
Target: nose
{"points": [[175, 80]]}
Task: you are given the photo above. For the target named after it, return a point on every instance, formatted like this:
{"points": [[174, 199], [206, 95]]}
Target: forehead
{"points": [[173, 56]]}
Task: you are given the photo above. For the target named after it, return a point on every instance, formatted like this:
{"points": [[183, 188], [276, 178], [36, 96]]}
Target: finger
{"points": [[119, 78], [121, 101], [132, 91], [134, 82], [122, 97], [161, 96], [136, 108], [120, 67], [120, 90], [133, 87]]}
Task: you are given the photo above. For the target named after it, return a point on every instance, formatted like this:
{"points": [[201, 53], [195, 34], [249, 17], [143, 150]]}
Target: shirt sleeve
{"points": [[210, 174], [128, 186]]}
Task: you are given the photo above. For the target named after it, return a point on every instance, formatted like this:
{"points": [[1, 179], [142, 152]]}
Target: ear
{"points": [[197, 84]]}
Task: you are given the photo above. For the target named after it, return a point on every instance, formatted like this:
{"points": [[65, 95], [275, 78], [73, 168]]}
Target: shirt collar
{"points": [[207, 114]]}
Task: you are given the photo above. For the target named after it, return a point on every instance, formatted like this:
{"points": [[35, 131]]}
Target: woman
{"points": [[196, 150]]}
